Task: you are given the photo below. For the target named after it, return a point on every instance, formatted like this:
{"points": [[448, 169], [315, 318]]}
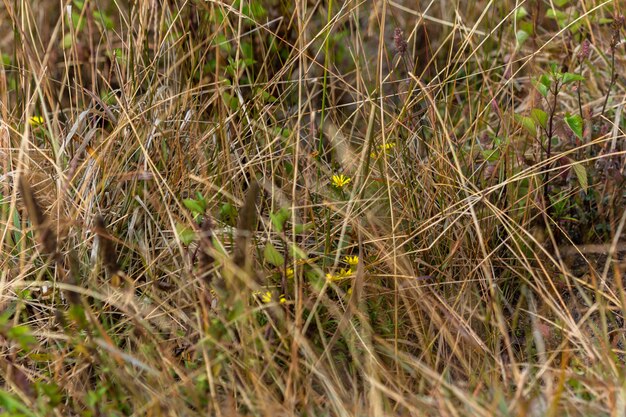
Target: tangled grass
{"points": [[312, 208]]}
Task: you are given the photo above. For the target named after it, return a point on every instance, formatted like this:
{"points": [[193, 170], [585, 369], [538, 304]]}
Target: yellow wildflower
{"points": [[387, 146], [340, 181], [383, 148], [35, 121], [353, 261], [289, 273], [266, 297], [282, 299], [342, 274]]}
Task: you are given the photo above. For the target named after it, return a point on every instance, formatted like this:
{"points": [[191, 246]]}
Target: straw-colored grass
{"points": [[277, 208]]}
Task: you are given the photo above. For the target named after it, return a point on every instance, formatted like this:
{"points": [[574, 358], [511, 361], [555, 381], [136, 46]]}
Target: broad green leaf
{"points": [[300, 228], [575, 122], [554, 70], [104, 19], [201, 200], [279, 218], [272, 256], [521, 36], [228, 214], [230, 101], [542, 87], [568, 77], [560, 3], [68, 41], [545, 79], [491, 155], [581, 174], [527, 123], [521, 13], [185, 233], [540, 117], [526, 26], [237, 310], [223, 43], [556, 14], [246, 50], [193, 205]]}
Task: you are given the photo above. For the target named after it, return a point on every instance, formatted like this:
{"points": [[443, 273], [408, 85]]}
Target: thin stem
{"points": [[613, 79], [546, 180]]}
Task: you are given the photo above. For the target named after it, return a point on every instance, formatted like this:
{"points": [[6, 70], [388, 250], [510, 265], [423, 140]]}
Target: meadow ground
{"points": [[312, 208]]}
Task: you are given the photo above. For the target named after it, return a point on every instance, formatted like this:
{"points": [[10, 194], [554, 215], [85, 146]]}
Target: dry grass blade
{"points": [[246, 224], [108, 252], [47, 236]]}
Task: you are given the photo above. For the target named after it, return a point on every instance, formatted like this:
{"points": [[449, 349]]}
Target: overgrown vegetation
{"points": [[312, 208]]}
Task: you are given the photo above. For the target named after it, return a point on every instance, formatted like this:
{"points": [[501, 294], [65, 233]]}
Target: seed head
{"points": [[399, 42], [585, 50]]}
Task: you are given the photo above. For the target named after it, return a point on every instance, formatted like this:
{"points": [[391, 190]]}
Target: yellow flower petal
{"points": [[35, 121], [340, 181], [266, 297], [352, 260]]}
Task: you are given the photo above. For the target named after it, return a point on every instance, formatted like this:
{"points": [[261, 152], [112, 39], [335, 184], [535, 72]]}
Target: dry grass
{"points": [[177, 238]]}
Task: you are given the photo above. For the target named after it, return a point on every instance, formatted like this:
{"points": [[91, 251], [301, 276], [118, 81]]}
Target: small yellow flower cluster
{"points": [[267, 297], [353, 261], [340, 181], [383, 148], [35, 121], [289, 273], [339, 276]]}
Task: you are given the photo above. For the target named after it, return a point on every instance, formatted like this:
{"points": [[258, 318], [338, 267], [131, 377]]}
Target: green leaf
{"points": [[568, 77], [201, 200], [78, 22], [51, 391], [554, 72], [223, 42], [581, 174], [540, 117], [247, 50], [526, 26], [22, 335], [68, 41], [185, 233], [575, 122], [545, 79], [13, 405], [560, 3], [521, 36], [527, 123], [193, 205], [272, 256], [237, 311], [267, 97], [230, 101], [279, 218], [228, 214], [556, 14], [300, 228], [542, 87], [521, 13], [491, 155], [104, 19]]}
